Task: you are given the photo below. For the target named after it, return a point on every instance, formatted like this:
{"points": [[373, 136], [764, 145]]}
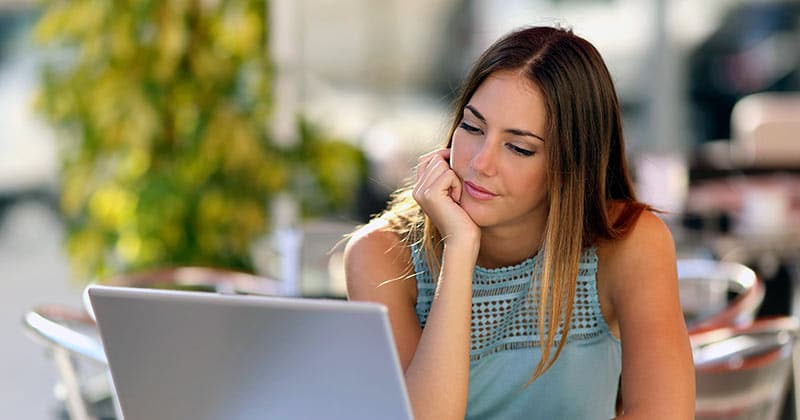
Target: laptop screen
{"points": [[196, 355]]}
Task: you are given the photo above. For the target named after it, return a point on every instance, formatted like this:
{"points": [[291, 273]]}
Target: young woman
{"points": [[523, 278]]}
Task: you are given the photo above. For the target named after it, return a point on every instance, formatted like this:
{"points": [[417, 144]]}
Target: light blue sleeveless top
{"points": [[582, 384]]}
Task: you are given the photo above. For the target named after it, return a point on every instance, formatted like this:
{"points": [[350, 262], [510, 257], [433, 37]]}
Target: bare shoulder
{"points": [[631, 264], [641, 263], [648, 243], [376, 234], [640, 275], [377, 262]]}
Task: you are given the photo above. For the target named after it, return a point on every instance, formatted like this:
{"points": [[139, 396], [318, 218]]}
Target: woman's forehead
{"points": [[509, 97]]}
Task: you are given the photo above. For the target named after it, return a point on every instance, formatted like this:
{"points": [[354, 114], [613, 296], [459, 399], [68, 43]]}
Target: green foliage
{"points": [[163, 110], [327, 172]]}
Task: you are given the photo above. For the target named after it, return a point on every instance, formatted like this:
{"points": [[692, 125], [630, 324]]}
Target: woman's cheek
{"points": [[459, 154]]}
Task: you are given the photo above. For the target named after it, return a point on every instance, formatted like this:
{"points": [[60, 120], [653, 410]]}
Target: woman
{"points": [[523, 229]]}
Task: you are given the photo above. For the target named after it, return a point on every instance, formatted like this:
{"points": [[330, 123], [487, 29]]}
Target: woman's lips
{"points": [[477, 192]]}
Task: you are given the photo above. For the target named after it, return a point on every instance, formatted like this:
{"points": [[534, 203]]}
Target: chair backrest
{"points": [[706, 287], [743, 372], [73, 343], [201, 279]]}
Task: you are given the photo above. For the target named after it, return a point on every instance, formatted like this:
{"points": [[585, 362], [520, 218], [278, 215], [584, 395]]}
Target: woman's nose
{"points": [[484, 160]]}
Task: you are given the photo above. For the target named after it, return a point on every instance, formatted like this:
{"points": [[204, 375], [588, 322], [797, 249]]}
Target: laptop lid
{"points": [[197, 355]]}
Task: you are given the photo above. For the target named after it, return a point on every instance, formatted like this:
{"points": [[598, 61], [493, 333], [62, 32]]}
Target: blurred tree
{"points": [[163, 110]]}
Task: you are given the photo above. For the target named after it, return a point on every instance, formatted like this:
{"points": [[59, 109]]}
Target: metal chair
{"points": [[72, 339], [743, 372], [743, 365], [718, 293]]}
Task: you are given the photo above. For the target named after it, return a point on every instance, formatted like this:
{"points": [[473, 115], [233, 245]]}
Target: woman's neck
{"points": [[505, 247]]}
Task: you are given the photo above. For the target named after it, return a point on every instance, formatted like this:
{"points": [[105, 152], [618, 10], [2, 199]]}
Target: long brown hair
{"points": [[586, 165]]}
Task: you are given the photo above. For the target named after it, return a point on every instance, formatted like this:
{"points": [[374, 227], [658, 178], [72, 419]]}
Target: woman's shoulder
{"points": [[374, 255], [640, 262], [647, 232], [376, 237], [646, 249]]}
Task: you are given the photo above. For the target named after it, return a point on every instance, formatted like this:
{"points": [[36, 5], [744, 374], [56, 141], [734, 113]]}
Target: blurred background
{"points": [[250, 135]]}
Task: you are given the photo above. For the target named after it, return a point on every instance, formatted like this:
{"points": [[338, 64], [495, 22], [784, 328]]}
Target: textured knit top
{"points": [[505, 346]]}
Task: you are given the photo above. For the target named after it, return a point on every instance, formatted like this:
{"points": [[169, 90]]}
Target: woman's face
{"points": [[498, 153]]}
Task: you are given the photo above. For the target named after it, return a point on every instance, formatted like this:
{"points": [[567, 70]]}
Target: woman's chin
{"points": [[481, 216]]}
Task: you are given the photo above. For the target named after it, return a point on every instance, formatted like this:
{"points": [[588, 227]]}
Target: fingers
{"points": [[443, 153], [455, 190], [427, 162], [430, 167], [437, 176], [438, 192]]}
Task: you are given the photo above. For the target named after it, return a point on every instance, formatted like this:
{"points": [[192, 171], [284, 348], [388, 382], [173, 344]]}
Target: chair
{"points": [[200, 279], [718, 293], [743, 372], [71, 335], [72, 341], [743, 365]]}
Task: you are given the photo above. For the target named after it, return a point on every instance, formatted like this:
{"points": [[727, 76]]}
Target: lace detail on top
{"points": [[504, 308]]}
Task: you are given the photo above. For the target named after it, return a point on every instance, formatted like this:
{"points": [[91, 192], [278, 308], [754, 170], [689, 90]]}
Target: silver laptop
{"points": [[198, 355]]}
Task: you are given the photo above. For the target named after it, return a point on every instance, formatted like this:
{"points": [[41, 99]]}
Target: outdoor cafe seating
{"points": [[743, 364]]}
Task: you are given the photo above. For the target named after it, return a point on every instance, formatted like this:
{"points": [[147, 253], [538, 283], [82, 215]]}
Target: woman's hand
{"points": [[438, 191], [445, 341]]}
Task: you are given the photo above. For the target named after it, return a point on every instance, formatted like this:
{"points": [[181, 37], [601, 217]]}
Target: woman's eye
{"points": [[469, 128], [518, 150]]}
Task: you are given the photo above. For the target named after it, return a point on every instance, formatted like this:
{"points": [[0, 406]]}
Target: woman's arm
{"points": [[436, 360], [657, 367], [378, 269]]}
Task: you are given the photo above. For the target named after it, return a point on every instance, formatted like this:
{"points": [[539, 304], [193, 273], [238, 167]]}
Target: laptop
{"points": [[199, 355]]}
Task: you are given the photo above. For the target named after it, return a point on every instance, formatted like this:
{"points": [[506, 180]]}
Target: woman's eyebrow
{"points": [[476, 113], [514, 131]]}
